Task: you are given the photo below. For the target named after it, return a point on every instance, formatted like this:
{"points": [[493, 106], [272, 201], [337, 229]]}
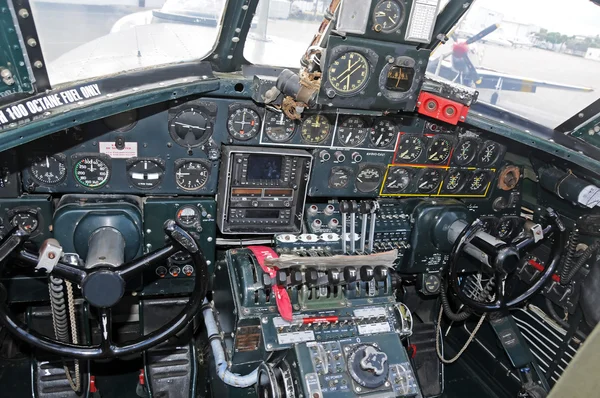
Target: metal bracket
{"points": [[50, 254]]}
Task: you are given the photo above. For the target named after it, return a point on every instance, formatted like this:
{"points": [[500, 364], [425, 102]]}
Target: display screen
{"points": [[399, 78], [264, 167], [256, 213]]}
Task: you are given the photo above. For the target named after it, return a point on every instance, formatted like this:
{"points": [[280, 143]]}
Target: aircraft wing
{"points": [[494, 80]]}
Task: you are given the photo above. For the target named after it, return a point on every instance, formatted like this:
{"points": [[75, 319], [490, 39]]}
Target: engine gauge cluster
{"points": [[436, 181], [504, 228]]}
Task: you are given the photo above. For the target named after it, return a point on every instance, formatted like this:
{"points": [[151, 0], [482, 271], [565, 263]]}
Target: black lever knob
{"points": [[350, 274], [381, 273], [267, 281], [296, 277], [366, 273], [281, 277], [334, 276], [312, 276]]}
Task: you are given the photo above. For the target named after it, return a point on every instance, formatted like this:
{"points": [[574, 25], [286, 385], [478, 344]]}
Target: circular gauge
{"points": [[243, 124], [92, 172], [439, 151], [465, 152], [352, 131], [505, 228], [478, 182], [315, 129], [409, 149], [383, 133], [191, 127], [489, 153], [191, 175], [432, 283], [48, 170], [455, 181], [339, 177], [397, 180], [387, 16], [278, 127], [25, 220], [489, 224], [429, 181], [146, 173], [123, 121], [369, 178], [188, 216], [349, 73]]}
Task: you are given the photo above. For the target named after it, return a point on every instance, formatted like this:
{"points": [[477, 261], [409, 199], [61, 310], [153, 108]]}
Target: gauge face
{"points": [[429, 181], [278, 127], [455, 181], [409, 149], [505, 228], [188, 216], [489, 224], [339, 177], [315, 129], [387, 16], [368, 179], [191, 127], [399, 78], [48, 170], [489, 154], [243, 124], [146, 174], [439, 151], [26, 221], [397, 180], [191, 175], [432, 283], [383, 133], [465, 152], [352, 131], [349, 73], [478, 182], [92, 172]]}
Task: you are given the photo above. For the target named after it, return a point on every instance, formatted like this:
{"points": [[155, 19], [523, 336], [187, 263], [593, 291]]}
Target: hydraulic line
{"points": [[214, 337]]}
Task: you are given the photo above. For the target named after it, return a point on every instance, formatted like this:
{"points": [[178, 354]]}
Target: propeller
{"points": [[460, 55]]}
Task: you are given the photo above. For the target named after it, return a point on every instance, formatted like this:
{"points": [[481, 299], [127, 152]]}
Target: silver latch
{"points": [[50, 254]]}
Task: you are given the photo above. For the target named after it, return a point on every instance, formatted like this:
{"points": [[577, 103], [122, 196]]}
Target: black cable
{"points": [[585, 256], [567, 263], [453, 316]]}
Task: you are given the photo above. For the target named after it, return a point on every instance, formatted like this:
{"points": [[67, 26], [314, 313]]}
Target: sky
{"points": [[570, 17]]}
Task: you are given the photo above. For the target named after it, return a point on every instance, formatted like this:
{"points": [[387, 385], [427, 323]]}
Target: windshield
{"points": [[82, 39], [538, 59]]}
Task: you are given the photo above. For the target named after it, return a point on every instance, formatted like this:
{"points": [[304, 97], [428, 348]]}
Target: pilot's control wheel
{"points": [[103, 287]]}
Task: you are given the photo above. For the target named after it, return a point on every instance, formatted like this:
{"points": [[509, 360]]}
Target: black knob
{"points": [[350, 274], [345, 206], [281, 277], [334, 276], [366, 273], [267, 281], [312, 276], [381, 273], [366, 206], [296, 277]]}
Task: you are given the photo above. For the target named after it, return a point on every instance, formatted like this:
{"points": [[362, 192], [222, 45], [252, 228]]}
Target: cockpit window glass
{"points": [[282, 30], [537, 58], [82, 39]]}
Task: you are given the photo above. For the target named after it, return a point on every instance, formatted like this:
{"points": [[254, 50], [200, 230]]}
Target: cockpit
{"points": [[299, 198]]}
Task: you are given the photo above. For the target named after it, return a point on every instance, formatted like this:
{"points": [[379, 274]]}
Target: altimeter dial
{"points": [[48, 170]]}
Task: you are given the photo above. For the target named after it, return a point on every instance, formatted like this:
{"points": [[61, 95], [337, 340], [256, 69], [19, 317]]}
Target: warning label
{"points": [[130, 150]]}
